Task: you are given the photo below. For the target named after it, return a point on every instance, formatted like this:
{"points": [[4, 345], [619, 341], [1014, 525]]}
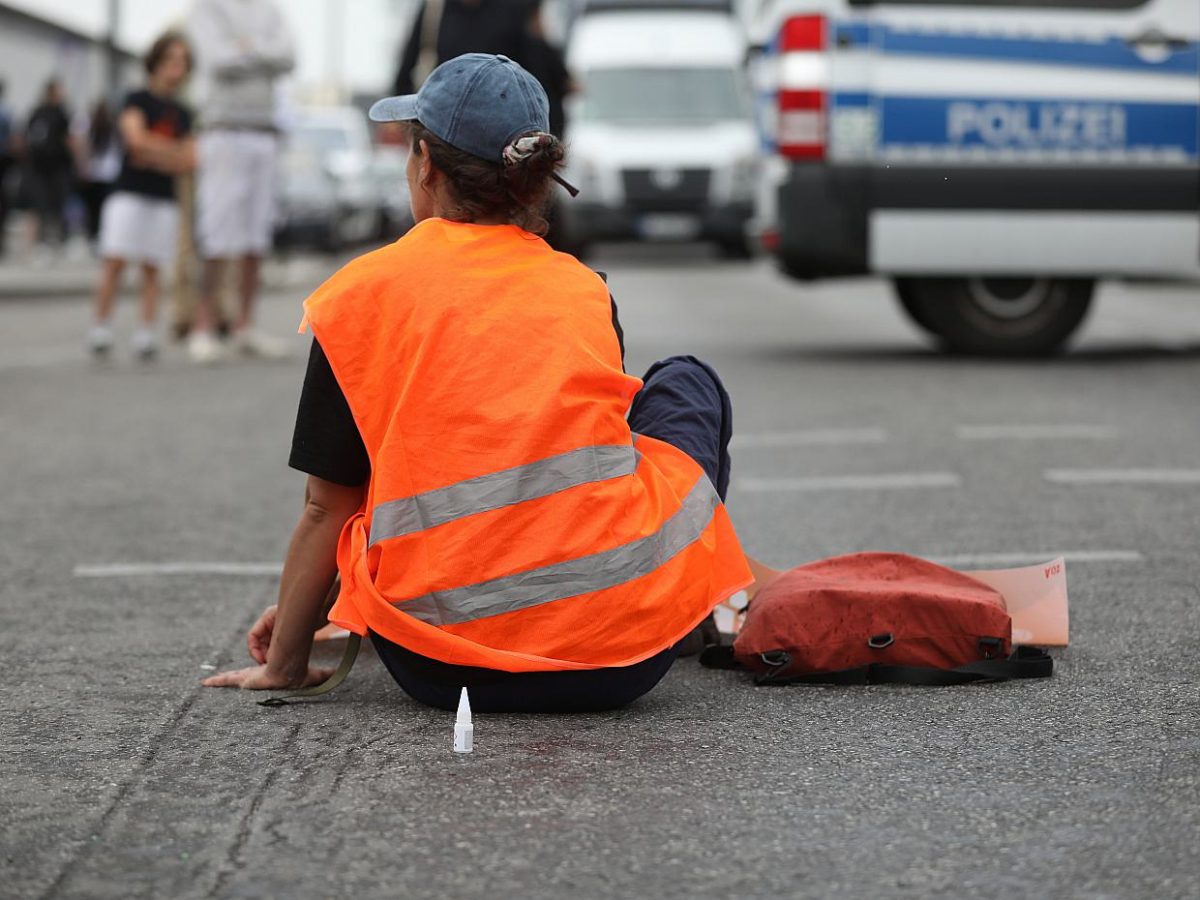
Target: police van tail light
{"points": [[803, 81]]}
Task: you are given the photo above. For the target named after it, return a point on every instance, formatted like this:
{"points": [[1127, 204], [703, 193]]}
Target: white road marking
{"points": [[813, 437], [891, 482], [984, 560], [127, 570], [1122, 476], [15, 360], [1036, 432]]}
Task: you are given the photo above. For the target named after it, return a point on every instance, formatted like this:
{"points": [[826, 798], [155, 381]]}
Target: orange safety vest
{"points": [[512, 521]]}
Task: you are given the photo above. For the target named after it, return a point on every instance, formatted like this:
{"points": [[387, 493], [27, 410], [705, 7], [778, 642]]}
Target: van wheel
{"points": [[1012, 316], [907, 297]]}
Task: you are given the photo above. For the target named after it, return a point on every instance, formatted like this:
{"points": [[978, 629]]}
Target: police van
{"points": [[994, 158], [662, 137]]}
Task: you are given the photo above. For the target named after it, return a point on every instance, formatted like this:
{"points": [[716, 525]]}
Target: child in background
{"points": [[140, 220]]}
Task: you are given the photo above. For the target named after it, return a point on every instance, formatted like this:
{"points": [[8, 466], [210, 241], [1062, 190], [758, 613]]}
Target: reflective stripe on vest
{"points": [[496, 490], [583, 575]]}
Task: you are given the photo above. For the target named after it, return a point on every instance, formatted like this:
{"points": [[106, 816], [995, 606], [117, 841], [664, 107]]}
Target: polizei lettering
{"points": [[1049, 125]]}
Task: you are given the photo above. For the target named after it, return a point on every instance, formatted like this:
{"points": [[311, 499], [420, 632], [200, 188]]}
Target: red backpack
{"points": [[871, 618]]}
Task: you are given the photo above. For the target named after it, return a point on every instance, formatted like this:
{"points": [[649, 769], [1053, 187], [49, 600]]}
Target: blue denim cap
{"points": [[476, 102]]}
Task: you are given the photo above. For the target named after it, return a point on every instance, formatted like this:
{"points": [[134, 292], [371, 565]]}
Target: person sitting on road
{"points": [[508, 510], [139, 222]]}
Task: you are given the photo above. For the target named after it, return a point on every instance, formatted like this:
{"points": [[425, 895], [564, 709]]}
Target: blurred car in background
{"points": [[662, 141], [993, 157], [328, 196], [389, 166]]}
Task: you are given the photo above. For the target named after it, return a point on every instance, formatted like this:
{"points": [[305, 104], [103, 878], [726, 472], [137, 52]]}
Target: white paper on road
{"points": [[729, 613], [1036, 597]]}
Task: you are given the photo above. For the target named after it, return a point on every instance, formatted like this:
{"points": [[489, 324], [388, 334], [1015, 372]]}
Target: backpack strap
{"points": [[718, 648], [718, 656], [1025, 662], [339, 675]]}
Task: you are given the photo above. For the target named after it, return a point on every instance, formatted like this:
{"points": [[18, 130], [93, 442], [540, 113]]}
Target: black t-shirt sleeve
{"points": [[326, 442], [143, 101], [617, 328]]}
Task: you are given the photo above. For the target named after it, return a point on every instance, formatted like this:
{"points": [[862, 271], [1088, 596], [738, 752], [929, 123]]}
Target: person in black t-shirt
{"points": [[140, 221]]}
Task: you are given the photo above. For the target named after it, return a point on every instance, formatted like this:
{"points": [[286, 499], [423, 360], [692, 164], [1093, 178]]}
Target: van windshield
{"points": [[662, 95]]}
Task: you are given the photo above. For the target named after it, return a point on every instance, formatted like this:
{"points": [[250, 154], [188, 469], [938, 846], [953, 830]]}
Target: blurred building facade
{"points": [[34, 49]]}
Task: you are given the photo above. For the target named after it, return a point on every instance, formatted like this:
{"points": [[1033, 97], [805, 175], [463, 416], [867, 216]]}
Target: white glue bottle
{"points": [[464, 731]]}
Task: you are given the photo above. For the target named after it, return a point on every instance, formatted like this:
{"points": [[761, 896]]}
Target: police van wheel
{"points": [[907, 297], [1001, 316]]}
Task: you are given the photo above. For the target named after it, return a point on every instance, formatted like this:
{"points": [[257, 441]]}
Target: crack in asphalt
{"points": [[235, 860], [85, 849], [144, 761]]}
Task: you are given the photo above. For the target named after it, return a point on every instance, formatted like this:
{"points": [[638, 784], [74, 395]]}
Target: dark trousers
{"points": [[683, 403], [93, 194], [48, 189]]}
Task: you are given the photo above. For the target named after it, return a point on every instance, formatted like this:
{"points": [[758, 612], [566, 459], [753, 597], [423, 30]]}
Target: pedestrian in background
{"points": [[98, 165], [545, 62], [7, 140], [140, 220], [444, 29], [49, 165], [242, 48]]}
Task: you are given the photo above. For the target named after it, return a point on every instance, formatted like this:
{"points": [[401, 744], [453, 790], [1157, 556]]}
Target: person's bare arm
{"points": [[304, 591], [186, 155], [152, 151], [763, 575]]}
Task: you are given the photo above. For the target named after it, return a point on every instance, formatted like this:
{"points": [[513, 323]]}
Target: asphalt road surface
{"points": [[146, 509]]}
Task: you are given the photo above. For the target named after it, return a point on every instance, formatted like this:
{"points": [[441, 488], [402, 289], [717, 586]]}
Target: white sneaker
{"points": [[145, 344], [100, 340], [250, 342], [204, 348]]}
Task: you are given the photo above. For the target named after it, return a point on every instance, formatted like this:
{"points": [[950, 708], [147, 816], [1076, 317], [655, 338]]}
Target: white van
{"points": [[994, 157], [661, 133]]}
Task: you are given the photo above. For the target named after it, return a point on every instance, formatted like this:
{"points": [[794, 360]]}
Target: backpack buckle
{"points": [[990, 646]]}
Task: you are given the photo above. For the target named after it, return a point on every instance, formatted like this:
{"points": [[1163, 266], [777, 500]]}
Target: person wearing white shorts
{"points": [[136, 228], [140, 220], [242, 46], [236, 193]]}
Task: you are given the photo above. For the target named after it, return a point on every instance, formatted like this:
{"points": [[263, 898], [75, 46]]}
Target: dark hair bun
{"points": [[534, 150]]}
